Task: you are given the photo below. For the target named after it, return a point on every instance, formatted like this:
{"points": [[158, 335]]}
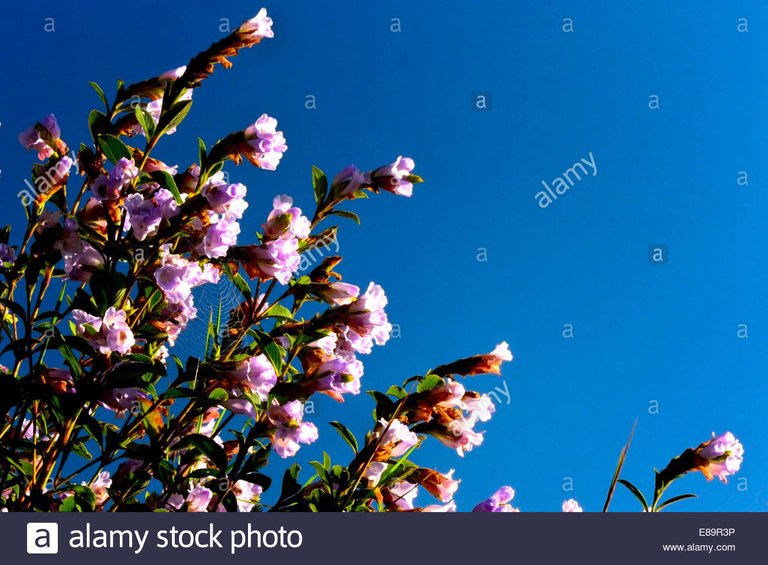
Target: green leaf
{"points": [[319, 184], [219, 395], [100, 92], [96, 122], [636, 491], [673, 500], [346, 435], [279, 311], [166, 180], [201, 153], [205, 446], [68, 505], [113, 148], [619, 466], [174, 116], [429, 382], [145, 120], [275, 354], [346, 214], [290, 484], [397, 391], [178, 393]]}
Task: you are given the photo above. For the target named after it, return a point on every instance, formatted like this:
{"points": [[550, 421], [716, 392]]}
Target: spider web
{"points": [[210, 299]]}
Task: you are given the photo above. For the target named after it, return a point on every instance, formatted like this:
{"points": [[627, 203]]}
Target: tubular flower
{"points": [[719, 457], [112, 333], [290, 429], [571, 505], [498, 502]]}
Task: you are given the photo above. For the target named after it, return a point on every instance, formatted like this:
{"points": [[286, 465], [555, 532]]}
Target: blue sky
{"points": [[643, 332]]}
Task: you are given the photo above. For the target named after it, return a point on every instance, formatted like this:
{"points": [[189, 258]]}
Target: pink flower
{"points": [[225, 198], [99, 487], [398, 438], [460, 436], [286, 220], [373, 473], [257, 27], [144, 216], [290, 430], [339, 376], [338, 293], [79, 265], [502, 352], [198, 499], [720, 456], [480, 408], [449, 507], [220, 235], [177, 276], [394, 178], [124, 400], [256, 374], [498, 502], [402, 494], [442, 487], [32, 139], [366, 317], [173, 74], [267, 145], [571, 505], [112, 332], [246, 493], [349, 180], [276, 259]]}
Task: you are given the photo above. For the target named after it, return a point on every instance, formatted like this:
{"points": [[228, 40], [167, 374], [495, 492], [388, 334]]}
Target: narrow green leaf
{"points": [[205, 446], [673, 500], [173, 117], [619, 466], [346, 435], [636, 491], [113, 148], [145, 121], [165, 179], [319, 184], [346, 214], [100, 92]]}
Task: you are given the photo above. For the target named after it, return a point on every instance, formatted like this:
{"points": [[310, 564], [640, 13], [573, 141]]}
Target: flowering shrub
{"points": [[97, 411]]}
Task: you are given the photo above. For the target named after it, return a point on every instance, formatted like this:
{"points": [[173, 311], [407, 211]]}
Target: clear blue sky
{"points": [[642, 332]]}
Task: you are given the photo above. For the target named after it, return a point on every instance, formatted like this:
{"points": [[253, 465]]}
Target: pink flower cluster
{"points": [[460, 434], [108, 187], [255, 374], [278, 255], [108, 334], [143, 216], [357, 323], [220, 229], [80, 257]]}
